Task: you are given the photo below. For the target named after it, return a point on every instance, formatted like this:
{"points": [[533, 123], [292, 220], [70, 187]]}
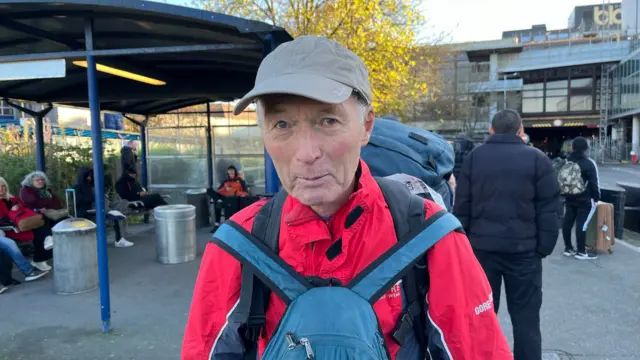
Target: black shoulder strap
{"points": [[254, 295], [407, 219]]}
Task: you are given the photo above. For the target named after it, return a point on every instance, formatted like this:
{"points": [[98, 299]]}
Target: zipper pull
{"points": [[307, 347], [291, 341]]}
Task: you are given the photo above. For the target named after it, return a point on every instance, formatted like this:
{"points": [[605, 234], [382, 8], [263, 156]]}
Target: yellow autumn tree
{"points": [[382, 33]]}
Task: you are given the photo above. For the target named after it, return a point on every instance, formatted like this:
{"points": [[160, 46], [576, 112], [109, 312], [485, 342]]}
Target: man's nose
{"points": [[308, 146]]}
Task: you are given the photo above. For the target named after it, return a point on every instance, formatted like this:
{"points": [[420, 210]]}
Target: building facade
{"points": [[583, 80]]}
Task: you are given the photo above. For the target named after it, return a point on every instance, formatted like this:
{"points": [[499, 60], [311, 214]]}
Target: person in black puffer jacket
{"points": [[507, 201], [581, 207]]}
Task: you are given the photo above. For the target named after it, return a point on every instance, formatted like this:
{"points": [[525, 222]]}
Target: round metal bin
{"points": [[75, 256], [199, 199], [175, 233]]}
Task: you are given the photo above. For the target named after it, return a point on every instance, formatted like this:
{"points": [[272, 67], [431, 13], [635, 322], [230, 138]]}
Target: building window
{"points": [[5, 109], [533, 98], [556, 96]]}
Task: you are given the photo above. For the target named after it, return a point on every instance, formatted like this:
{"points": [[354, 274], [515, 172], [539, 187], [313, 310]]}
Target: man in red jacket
{"points": [[314, 108]]}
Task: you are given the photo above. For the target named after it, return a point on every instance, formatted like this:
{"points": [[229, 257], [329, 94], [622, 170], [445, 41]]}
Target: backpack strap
{"points": [[416, 283], [409, 220], [377, 278], [254, 295]]}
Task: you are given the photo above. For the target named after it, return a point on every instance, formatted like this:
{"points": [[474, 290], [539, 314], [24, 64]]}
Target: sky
{"points": [[474, 20]]}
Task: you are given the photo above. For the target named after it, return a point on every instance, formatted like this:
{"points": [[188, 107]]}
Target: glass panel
{"points": [[578, 83], [556, 104], [237, 140], [533, 90], [581, 103], [532, 105]]}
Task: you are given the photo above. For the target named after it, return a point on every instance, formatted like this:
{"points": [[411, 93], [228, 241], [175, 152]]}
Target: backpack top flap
{"points": [[422, 147]]}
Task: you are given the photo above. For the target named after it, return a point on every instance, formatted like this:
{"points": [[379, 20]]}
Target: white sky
{"points": [[472, 20]]}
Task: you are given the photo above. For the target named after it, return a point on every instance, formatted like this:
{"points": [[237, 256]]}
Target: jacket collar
{"points": [[504, 139]]}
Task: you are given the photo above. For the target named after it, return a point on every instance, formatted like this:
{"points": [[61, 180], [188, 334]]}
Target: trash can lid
{"points": [[74, 224], [174, 208], [196, 191]]}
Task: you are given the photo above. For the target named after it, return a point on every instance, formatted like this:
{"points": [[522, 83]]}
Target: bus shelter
{"points": [[128, 56]]}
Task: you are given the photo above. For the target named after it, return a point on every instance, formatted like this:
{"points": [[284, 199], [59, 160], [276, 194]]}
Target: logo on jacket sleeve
{"points": [[487, 305]]}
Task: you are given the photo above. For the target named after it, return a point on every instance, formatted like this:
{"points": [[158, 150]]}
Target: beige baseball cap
{"points": [[312, 67]]}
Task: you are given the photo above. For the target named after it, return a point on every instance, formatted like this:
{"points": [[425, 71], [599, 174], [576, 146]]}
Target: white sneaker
{"points": [[117, 214], [123, 243], [42, 265], [3, 289], [48, 242]]}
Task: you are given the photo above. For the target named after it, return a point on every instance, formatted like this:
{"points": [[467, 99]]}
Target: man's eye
{"points": [[329, 121], [281, 124]]}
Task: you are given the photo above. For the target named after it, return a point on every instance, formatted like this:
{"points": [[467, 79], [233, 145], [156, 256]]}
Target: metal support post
{"points": [[272, 183], [144, 144], [38, 116], [98, 180], [209, 148]]}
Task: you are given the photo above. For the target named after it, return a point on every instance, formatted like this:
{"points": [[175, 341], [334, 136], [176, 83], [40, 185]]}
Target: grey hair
{"points": [[363, 106], [28, 180], [4, 182]]}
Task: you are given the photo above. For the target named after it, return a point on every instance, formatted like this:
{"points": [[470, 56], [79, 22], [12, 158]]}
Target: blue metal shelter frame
{"points": [[217, 59]]}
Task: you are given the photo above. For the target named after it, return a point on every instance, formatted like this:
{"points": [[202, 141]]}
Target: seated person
{"points": [[42, 240], [233, 185], [36, 193], [85, 198], [128, 188], [10, 248]]}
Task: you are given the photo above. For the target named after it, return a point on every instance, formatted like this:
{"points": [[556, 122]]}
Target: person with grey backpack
{"points": [[579, 185]]}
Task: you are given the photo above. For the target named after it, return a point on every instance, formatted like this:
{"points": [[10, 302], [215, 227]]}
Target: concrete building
{"points": [[565, 83]]}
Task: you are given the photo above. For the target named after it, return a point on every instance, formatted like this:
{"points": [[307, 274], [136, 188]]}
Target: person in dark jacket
{"points": [[507, 201], [581, 207], [84, 202], [129, 156], [128, 188]]}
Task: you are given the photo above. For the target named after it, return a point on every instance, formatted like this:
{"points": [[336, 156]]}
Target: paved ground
{"points": [[590, 310]]}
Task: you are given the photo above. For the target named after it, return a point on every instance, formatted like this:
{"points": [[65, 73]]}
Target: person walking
{"points": [[507, 201], [579, 183]]}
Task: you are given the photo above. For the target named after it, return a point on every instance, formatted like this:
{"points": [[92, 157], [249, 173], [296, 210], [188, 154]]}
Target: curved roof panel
{"points": [[199, 55]]}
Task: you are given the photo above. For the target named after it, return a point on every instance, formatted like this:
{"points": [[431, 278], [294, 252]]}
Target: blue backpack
{"points": [[324, 318], [395, 148]]}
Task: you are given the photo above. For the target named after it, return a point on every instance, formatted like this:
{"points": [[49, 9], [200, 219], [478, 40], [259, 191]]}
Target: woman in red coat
{"points": [[36, 192], [9, 207]]}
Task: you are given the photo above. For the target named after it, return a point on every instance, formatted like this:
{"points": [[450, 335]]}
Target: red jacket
{"points": [[6, 212], [463, 325], [31, 197]]}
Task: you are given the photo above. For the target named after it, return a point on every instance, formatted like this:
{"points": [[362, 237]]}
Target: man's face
{"points": [[315, 147], [133, 175]]}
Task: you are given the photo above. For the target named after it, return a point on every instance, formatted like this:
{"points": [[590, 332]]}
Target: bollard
{"points": [[75, 256], [199, 199], [175, 233]]}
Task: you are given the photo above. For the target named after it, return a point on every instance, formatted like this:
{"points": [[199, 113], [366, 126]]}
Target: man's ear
{"points": [[491, 131], [368, 127]]}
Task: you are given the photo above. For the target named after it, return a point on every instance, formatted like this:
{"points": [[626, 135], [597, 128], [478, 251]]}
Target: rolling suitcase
{"points": [[601, 229]]}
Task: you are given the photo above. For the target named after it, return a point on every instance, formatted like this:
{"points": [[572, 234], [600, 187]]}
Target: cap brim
{"points": [[306, 85]]}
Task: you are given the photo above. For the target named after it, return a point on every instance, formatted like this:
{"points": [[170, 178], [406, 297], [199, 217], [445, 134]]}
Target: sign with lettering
{"points": [[607, 16]]}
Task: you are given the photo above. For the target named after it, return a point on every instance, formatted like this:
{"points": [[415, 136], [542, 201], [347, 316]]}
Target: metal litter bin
{"points": [[75, 256], [175, 233], [199, 199]]}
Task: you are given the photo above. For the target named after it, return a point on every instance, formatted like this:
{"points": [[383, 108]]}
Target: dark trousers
{"points": [[6, 265], [578, 215], [522, 274], [116, 223], [151, 201], [39, 253]]}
